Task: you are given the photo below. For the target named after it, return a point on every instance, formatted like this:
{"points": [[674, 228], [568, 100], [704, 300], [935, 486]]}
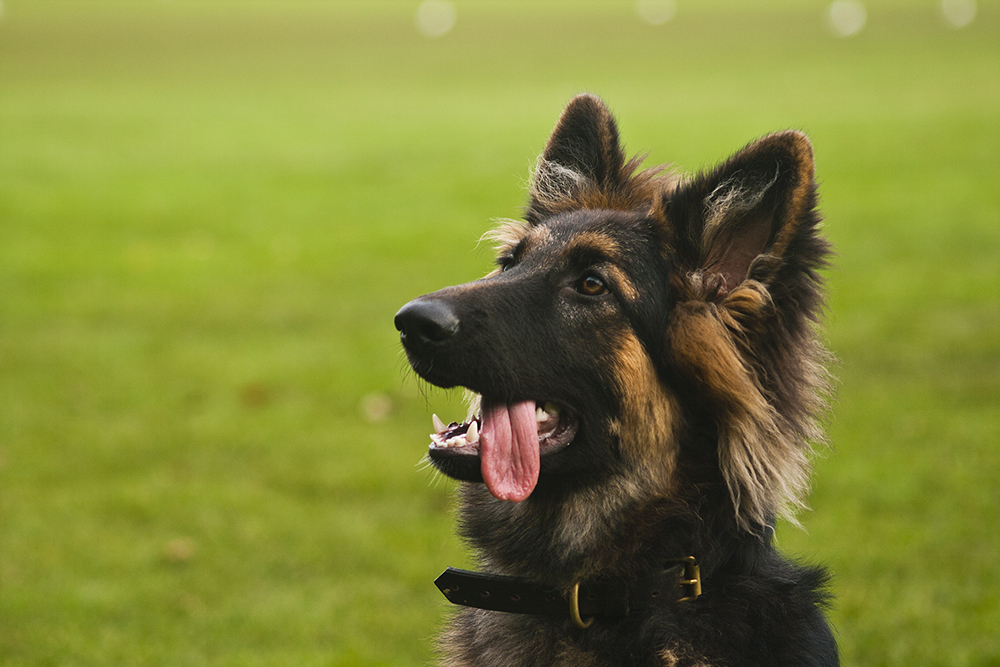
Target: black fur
{"points": [[693, 382]]}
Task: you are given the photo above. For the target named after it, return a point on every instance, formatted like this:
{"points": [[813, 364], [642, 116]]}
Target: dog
{"points": [[648, 384]]}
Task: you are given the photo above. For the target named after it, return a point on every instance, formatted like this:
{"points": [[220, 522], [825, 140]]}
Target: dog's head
{"points": [[639, 326]]}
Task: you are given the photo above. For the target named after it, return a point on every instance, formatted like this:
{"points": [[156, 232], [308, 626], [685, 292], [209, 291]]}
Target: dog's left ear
{"points": [[738, 221], [745, 254], [582, 161]]}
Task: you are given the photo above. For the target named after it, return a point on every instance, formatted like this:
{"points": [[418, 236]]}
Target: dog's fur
{"points": [[694, 375]]}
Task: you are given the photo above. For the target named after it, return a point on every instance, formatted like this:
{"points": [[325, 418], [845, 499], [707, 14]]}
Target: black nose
{"points": [[426, 322]]}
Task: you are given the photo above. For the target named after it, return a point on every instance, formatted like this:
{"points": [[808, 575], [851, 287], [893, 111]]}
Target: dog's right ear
{"points": [[583, 165]]}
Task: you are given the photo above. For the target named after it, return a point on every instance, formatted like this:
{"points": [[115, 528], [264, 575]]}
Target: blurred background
{"points": [[210, 444]]}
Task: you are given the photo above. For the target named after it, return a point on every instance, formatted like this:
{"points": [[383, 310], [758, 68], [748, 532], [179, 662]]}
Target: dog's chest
{"points": [[497, 639]]}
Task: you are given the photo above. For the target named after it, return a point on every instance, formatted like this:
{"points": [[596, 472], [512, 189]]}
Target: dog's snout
{"points": [[426, 322]]}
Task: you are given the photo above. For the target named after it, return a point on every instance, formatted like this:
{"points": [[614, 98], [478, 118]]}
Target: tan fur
{"points": [[747, 301], [599, 243], [621, 280], [649, 416], [765, 466], [681, 656], [657, 211], [805, 162]]}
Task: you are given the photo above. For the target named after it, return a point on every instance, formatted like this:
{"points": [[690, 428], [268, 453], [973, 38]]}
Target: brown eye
{"points": [[592, 286]]}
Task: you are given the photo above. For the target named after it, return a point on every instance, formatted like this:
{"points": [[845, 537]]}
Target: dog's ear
{"points": [[738, 221], [582, 158], [745, 252]]}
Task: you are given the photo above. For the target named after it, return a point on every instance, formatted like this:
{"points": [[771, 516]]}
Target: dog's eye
{"points": [[591, 285], [505, 262]]}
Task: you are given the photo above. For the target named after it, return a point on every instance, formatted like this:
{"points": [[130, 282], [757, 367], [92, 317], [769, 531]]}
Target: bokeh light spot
{"points": [[435, 18], [959, 13], [375, 407], [846, 17], [656, 12]]}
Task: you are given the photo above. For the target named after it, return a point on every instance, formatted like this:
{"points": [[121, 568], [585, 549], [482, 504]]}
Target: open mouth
{"points": [[509, 440]]}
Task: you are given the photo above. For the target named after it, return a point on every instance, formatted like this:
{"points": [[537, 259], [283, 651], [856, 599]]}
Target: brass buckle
{"points": [[692, 577], [574, 608]]}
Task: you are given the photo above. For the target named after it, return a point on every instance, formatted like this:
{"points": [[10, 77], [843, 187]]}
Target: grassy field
{"points": [[209, 212]]}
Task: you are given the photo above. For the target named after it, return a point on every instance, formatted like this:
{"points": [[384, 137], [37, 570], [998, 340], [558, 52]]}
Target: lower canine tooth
{"points": [[472, 435], [438, 424]]}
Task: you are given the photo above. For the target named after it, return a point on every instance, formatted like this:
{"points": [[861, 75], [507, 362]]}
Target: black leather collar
{"points": [[679, 580]]}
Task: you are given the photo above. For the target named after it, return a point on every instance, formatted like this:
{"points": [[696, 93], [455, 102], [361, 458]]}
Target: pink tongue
{"points": [[508, 449]]}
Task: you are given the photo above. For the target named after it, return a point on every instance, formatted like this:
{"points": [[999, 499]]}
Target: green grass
{"points": [[209, 213]]}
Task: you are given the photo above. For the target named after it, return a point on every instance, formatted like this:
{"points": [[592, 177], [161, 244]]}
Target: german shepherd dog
{"points": [[647, 379]]}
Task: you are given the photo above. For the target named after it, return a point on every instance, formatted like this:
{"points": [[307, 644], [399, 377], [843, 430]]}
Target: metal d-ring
{"points": [[574, 608]]}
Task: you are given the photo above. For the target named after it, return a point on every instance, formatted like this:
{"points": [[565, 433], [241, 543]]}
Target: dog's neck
{"points": [[572, 538]]}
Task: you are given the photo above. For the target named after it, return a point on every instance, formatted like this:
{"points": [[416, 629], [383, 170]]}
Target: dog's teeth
{"points": [[547, 417], [472, 435], [457, 441], [439, 426], [437, 440]]}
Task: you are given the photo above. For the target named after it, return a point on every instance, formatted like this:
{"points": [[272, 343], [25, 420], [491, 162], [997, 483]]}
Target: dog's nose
{"points": [[425, 322]]}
